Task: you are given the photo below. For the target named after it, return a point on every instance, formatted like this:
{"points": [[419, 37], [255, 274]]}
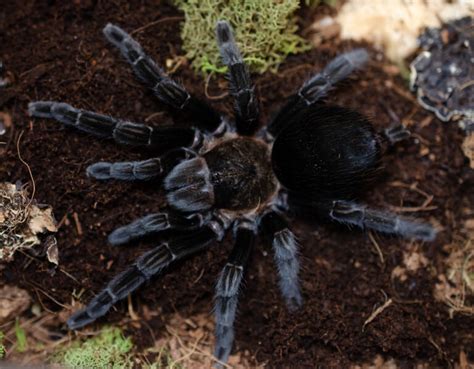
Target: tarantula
{"points": [[220, 175]]}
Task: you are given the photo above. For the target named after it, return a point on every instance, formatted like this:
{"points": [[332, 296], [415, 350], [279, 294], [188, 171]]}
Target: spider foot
{"points": [[396, 133], [154, 223], [351, 213], [285, 247]]}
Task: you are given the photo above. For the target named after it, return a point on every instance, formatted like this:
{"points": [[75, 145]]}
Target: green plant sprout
{"points": [[264, 29], [2, 347], [110, 349], [20, 337]]}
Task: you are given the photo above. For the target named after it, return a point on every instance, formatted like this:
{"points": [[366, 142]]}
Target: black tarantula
{"points": [[219, 175]]}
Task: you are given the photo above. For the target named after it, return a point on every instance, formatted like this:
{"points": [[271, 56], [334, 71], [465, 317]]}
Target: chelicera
{"points": [[221, 175]]}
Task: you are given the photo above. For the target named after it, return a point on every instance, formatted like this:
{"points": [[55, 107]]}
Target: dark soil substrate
{"points": [[56, 51]]}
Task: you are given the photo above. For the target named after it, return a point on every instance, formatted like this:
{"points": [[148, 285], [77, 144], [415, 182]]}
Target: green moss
{"points": [[2, 347], [264, 30], [20, 337], [315, 3], [108, 350]]}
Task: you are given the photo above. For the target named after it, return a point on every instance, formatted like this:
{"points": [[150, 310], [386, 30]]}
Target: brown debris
{"points": [[323, 29], [377, 312], [468, 148], [21, 222], [189, 342], [413, 260], [13, 302], [456, 287], [52, 252]]}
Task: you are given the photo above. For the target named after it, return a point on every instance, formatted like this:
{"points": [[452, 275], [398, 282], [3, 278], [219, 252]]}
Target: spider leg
{"points": [[123, 132], [317, 86], [227, 289], [156, 222], [146, 266], [285, 247], [360, 215], [140, 170], [395, 133], [246, 104], [165, 89]]}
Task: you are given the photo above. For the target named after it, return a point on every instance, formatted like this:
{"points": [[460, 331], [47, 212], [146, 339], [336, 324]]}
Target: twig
{"points": [[63, 219], [206, 90], [151, 24], [131, 312], [151, 116], [32, 258], [75, 216], [377, 247], [413, 209], [37, 288], [377, 312], [28, 167], [440, 351], [199, 277]]}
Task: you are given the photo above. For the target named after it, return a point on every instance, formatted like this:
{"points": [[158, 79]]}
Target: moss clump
{"points": [[264, 30], [108, 350], [2, 347]]}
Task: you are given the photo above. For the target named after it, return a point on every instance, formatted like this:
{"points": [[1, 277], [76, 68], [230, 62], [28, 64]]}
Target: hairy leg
{"points": [[360, 215], [245, 104], [123, 132], [157, 222], [285, 247], [316, 87], [188, 186], [165, 89], [227, 289], [140, 170], [146, 266], [395, 133]]}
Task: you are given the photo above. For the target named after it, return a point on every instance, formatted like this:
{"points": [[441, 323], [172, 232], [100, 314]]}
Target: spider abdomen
{"points": [[326, 151]]}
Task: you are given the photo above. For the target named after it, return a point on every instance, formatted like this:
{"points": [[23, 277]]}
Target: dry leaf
{"points": [[52, 250], [13, 301], [468, 148], [21, 221]]}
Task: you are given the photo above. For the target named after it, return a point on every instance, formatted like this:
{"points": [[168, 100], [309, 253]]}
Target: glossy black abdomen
{"points": [[326, 152]]}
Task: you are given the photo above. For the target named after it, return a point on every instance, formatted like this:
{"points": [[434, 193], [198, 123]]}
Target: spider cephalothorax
{"points": [[219, 175]]}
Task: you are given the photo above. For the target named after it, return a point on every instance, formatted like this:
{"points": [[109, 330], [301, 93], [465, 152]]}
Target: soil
{"points": [[56, 51]]}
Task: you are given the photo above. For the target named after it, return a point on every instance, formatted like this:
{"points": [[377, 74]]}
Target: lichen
{"points": [[264, 30], [110, 349]]}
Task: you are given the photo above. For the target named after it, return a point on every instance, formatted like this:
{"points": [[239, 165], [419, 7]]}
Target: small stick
{"points": [[377, 247], [28, 167], [131, 311], [377, 312], [161, 20], [78, 223]]}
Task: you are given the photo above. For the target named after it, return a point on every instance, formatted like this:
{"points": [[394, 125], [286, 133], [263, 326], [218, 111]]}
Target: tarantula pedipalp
{"points": [[219, 175]]}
